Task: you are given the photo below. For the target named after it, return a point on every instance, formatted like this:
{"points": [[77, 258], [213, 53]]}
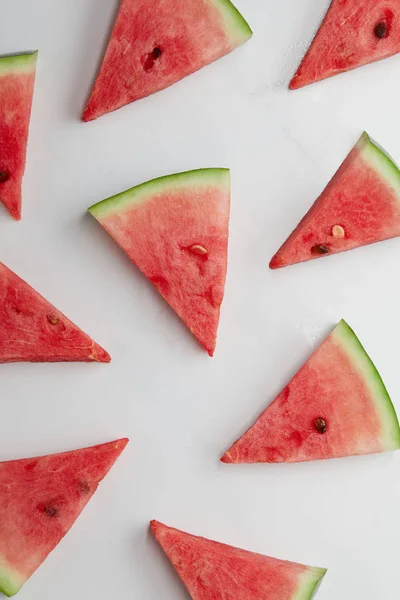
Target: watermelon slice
{"points": [[32, 330], [214, 571], [17, 79], [175, 229], [40, 499], [359, 206], [353, 33], [335, 406], [156, 43]]}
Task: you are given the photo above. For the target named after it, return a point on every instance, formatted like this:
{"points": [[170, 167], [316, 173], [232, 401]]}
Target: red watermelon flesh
{"points": [[17, 78], [33, 330], [353, 33], [175, 229], [335, 406], [214, 571], [40, 499], [359, 206], [156, 43]]}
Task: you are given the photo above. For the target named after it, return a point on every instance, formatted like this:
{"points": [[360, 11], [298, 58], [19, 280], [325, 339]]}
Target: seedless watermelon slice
{"points": [[211, 570], [335, 406], [17, 78], [156, 43], [175, 229], [353, 33], [40, 499], [33, 330], [359, 206]]}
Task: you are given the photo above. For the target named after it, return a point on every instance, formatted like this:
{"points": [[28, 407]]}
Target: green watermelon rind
{"points": [[309, 583], [390, 430], [236, 24], [10, 581], [381, 162], [18, 63], [135, 196]]}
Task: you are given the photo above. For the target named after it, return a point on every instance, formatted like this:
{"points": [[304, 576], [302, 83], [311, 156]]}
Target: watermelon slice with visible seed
{"points": [[359, 206], [33, 330], [40, 499], [175, 229], [353, 33], [211, 570], [17, 79], [335, 406], [156, 43]]}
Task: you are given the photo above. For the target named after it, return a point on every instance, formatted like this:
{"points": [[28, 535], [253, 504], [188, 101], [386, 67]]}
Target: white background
{"points": [[180, 408]]}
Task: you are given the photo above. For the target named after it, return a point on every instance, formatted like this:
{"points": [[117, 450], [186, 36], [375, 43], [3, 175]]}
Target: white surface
{"points": [[180, 408]]}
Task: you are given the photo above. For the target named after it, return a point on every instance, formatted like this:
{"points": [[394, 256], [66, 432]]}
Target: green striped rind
{"points": [[141, 193], [18, 63], [377, 158], [237, 27], [390, 431], [308, 583], [10, 581]]}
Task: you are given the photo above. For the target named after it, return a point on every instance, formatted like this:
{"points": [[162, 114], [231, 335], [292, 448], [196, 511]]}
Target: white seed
{"points": [[197, 249], [338, 231]]}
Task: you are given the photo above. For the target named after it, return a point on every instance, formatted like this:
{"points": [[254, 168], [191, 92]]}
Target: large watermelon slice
{"points": [[353, 33], [359, 206], [33, 330], [17, 78], [175, 229], [40, 499], [335, 406], [214, 571], [158, 42]]}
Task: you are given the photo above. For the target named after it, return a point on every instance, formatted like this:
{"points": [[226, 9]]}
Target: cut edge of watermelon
{"points": [[10, 580], [139, 194], [310, 580], [237, 26], [18, 63], [345, 336]]}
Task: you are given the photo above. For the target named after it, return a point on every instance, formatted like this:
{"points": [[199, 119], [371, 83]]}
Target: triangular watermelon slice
{"points": [[335, 406], [175, 229], [359, 206], [17, 79], [40, 499], [353, 33], [214, 571], [155, 44], [33, 330]]}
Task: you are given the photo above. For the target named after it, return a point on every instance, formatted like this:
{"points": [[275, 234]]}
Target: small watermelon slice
{"points": [[335, 406], [175, 229], [359, 206], [211, 570], [353, 33], [33, 330], [156, 43], [17, 79], [40, 499]]}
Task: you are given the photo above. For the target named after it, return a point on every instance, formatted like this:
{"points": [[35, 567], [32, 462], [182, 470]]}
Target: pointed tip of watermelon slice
{"points": [[87, 115], [227, 458], [276, 262], [99, 354]]}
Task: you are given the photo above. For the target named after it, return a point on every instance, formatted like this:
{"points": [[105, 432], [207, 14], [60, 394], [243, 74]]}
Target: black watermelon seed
{"points": [[380, 30], [320, 249], [4, 176], [320, 425], [51, 511]]}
